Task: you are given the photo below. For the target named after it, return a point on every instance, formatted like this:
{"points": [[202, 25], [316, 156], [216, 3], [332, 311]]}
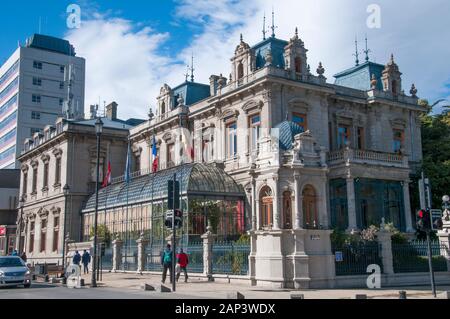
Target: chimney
{"points": [[111, 111]]}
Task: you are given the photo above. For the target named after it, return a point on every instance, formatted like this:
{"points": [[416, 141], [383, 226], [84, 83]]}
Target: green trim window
{"points": [[338, 204]]}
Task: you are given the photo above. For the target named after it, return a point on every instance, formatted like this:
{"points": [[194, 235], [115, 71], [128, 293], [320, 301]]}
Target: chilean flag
{"points": [[107, 179], [154, 156]]}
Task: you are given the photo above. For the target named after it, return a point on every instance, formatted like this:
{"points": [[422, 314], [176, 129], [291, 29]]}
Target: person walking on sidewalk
{"points": [[183, 261], [76, 258], [166, 262], [86, 260]]}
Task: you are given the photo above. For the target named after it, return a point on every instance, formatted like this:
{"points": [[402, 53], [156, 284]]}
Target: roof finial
{"points": [[392, 58], [192, 67], [273, 23], [242, 38], [186, 75], [367, 51], [356, 55], [264, 27], [296, 32]]}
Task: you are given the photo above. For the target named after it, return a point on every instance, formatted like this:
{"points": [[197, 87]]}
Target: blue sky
{"points": [[133, 47]]}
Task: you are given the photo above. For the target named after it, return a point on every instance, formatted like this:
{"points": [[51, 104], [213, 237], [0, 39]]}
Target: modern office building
{"points": [[41, 81]]}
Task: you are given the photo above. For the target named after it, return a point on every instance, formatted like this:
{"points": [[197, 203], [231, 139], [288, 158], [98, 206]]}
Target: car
{"points": [[14, 272]]}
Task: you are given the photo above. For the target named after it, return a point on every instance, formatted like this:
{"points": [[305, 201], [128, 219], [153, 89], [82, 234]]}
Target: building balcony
{"points": [[349, 156]]}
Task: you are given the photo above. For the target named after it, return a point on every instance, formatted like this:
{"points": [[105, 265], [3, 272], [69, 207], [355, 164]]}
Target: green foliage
{"points": [[244, 239], [212, 208], [397, 236], [340, 238], [436, 150], [103, 234]]}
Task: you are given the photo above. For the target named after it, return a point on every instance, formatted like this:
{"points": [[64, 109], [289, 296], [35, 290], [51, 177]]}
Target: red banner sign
{"points": [[2, 231]]}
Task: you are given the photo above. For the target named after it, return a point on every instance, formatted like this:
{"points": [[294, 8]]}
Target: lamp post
{"points": [[21, 249], [98, 131], [446, 200], [66, 190]]}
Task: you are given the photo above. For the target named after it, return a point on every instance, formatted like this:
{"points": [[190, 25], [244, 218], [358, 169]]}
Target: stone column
{"points": [[298, 203], [444, 237], [252, 258], [276, 205], [384, 238], [253, 204], [351, 206], [208, 239], [141, 245], [258, 216], [117, 254], [407, 204]]}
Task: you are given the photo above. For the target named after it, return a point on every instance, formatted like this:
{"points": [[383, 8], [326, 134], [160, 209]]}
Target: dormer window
{"points": [[163, 108], [298, 65], [240, 71]]}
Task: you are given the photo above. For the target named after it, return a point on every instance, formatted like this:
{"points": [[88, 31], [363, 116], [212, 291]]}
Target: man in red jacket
{"points": [[183, 261]]}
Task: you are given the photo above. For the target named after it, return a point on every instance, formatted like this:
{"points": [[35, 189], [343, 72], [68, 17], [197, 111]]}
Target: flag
{"points": [[128, 166], [107, 179], [154, 156]]}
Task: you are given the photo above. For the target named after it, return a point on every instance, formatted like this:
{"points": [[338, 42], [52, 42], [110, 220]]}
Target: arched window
{"points": [[310, 207], [298, 65], [163, 108], [287, 210], [394, 87], [240, 71], [266, 207]]}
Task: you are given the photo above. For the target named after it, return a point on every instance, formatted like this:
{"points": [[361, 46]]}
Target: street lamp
{"points": [[19, 224], [98, 131], [446, 200], [66, 190]]}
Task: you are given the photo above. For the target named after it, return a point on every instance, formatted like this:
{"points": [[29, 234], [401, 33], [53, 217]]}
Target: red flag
{"points": [[107, 179]]}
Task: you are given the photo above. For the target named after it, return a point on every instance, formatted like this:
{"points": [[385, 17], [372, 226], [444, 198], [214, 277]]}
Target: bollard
{"points": [[163, 288], [147, 287], [402, 294], [297, 296]]}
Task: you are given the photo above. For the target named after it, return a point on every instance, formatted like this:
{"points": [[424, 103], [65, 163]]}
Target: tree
{"points": [[103, 234], [436, 151]]}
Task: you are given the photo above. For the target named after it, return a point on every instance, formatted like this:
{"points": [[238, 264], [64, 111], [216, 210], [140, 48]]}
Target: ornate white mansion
{"points": [[273, 150]]}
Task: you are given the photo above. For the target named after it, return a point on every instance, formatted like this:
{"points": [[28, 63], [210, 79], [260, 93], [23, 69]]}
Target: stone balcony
{"points": [[349, 156]]}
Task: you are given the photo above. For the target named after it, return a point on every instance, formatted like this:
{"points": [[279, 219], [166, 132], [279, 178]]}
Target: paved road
{"points": [[48, 291]]}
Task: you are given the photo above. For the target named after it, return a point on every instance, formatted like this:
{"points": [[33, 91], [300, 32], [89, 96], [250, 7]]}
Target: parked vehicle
{"points": [[14, 272]]}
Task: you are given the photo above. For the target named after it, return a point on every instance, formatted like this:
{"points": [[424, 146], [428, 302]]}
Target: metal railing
{"points": [[413, 257], [195, 255], [354, 258], [130, 258], [230, 258]]}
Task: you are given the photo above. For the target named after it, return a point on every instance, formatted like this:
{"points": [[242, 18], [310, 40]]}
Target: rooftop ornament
{"points": [[320, 70], [413, 91]]}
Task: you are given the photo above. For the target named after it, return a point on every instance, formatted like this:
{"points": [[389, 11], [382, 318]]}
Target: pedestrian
{"points": [[183, 261], [166, 262], [24, 256], [14, 253], [76, 258], [86, 260]]}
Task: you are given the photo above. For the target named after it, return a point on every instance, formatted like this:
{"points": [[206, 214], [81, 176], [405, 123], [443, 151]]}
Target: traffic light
{"points": [[178, 219], [171, 192], [423, 220]]}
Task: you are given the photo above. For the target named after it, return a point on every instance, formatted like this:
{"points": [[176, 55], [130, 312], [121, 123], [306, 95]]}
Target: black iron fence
{"points": [[353, 259], [230, 258], [413, 257]]}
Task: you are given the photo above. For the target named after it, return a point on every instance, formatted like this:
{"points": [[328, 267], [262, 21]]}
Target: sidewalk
{"points": [[199, 289]]}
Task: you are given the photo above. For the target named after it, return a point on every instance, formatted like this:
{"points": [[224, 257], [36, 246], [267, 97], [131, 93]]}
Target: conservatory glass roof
{"points": [[196, 180]]}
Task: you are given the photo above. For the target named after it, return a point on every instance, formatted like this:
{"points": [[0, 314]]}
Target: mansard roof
{"points": [[276, 46], [360, 76], [191, 92]]}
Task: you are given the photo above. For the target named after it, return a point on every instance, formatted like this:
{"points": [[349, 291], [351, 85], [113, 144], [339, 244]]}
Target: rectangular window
{"points": [[45, 176], [36, 98], [34, 130], [43, 235], [35, 115], [37, 65], [231, 139], [398, 140], [170, 155], [300, 120], [61, 85], [62, 68], [255, 131], [37, 81], [360, 138], [58, 171], [24, 183], [35, 175], [61, 102], [343, 135], [31, 247], [56, 233]]}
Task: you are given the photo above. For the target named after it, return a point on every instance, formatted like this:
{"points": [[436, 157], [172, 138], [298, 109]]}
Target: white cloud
{"points": [[124, 64]]}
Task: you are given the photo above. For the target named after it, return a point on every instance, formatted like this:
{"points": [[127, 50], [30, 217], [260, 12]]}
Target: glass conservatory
{"points": [[209, 196]]}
